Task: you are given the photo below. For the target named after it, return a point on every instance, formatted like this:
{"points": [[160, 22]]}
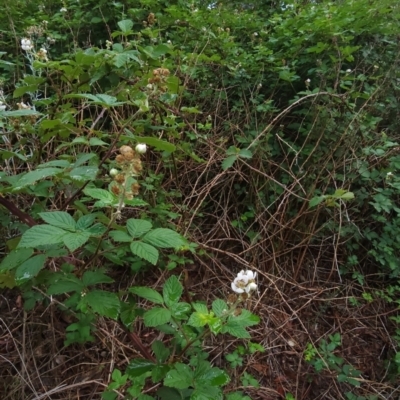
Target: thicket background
{"points": [[284, 123]]}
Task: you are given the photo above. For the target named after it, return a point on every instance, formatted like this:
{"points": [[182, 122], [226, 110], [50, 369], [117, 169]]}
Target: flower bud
{"points": [[141, 148], [113, 172]]}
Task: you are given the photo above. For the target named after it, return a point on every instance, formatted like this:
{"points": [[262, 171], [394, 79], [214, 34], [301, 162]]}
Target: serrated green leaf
{"points": [[228, 162], [19, 113], [180, 310], [145, 251], [244, 153], [60, 219], [97, 142], [104, 303], [100, 194], [74, 240], [200, 307], [84, 173], [172, 290], [156, 316], [181, 377], [64, 286], [120, 236], [219, 307], [245, 318], [128, 313], [91, 278], [164, 238], [148, 294], [168, 393], [160, 351], [207, 393], [14, 258], [29, 268], [138, 227], [159, 372], [198, 319], [139, 366], [85, 222], [126, 25], [315, 201], [31, 177], [236, 330], [24, 89], [347, 196], [40, 235], [212, 376]]}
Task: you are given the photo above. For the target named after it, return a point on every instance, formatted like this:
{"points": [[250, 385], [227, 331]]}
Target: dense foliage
{"points": [[272, 140]]}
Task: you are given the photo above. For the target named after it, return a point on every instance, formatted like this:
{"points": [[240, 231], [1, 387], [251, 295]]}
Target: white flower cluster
{"points": [[245, 282], [26, 44]]}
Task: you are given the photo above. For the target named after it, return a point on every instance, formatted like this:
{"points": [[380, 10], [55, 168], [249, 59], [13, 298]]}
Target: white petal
{"points": [[235, 288], [251, 287]]}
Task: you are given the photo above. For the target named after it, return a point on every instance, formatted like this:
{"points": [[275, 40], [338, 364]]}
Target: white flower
{"points": [[348, 71], [3, 107], [255, 34], [26, 44], [244, 282], [308, 81], [42, 50], [141, 148], [63, 9], [389, 175]]}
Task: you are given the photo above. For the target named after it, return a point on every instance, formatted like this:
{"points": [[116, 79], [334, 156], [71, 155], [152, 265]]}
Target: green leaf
{"points": [[60, 219], [139, 366], [158, 144], [91, 278], [172, 291], [181, 377], [120, 236], [206, 393], [74, 240], [213, 376], [167, 393], [84, 173], [24, 89], [219, 307], [40, 235], [228, 162], [315, 201], [15, 258], [164, 238], [156, 316], [244, 153], [159, 372], [180, 310], [19, 113], [31, 177], [126, 25], [160, 351], [145, 251], [198, 319], [85, 222], [148, 294], [245, 318], [236, 330], [65, 286], [347, 196], [138, 227], [97, 142], [29, 268], [104, 303], [101, 194]]}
